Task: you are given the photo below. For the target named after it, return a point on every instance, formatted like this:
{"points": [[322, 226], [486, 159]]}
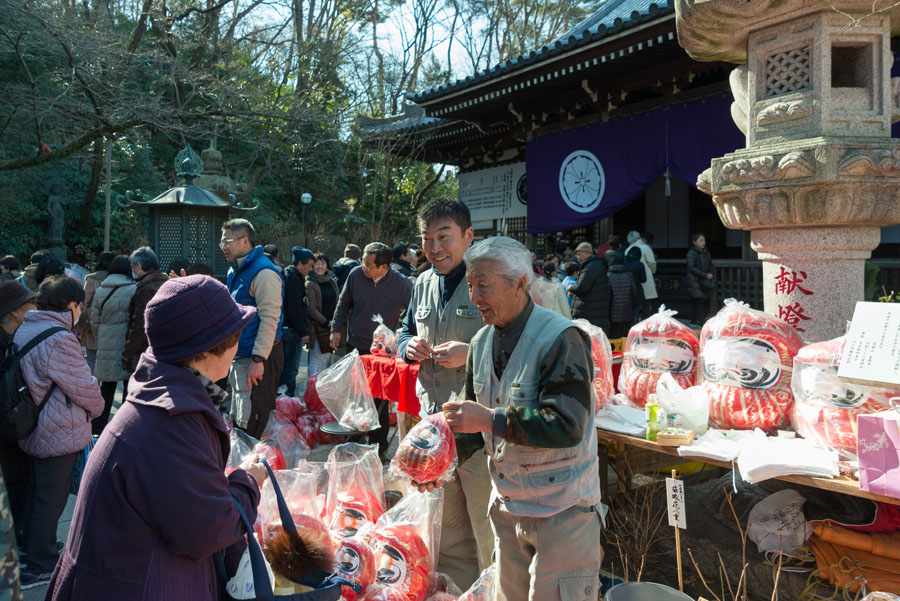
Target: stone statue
{"points": [[55, 189]]}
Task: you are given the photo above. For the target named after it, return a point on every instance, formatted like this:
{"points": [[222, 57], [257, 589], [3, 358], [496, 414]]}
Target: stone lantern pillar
{"points": [[820, 174]]}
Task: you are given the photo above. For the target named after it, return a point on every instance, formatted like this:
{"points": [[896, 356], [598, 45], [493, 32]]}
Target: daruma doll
{"points": [[746, 361]]}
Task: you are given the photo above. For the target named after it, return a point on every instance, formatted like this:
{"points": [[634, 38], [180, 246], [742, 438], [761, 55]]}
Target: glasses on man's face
{"points": [[226, 241]]}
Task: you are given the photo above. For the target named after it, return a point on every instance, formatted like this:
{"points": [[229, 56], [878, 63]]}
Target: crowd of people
{"points": [[177, 340]]}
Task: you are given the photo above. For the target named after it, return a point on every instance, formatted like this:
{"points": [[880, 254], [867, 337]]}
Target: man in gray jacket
{"points": [[528, 381], [371, 289]]}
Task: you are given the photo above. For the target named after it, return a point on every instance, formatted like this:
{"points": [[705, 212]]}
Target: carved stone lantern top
{"points": [[813, 68], [718, 30]]}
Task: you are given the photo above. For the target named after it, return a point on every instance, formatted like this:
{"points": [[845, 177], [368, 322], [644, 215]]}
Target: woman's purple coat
{"points": [[155, 504]]}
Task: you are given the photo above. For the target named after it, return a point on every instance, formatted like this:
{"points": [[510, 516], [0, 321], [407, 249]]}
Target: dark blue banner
{"points": [[580, 176]]}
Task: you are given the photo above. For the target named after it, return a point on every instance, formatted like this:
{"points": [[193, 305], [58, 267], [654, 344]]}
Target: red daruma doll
{"points": [[826, 408], [403, 562], [657, 345], [353, 509], [355, 561], [746, 360], [428, 452]]}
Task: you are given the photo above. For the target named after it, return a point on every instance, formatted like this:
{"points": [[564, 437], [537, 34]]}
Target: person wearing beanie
{"points": [[55, 370], [27, 277], [255, 281], [295, 332], [155, 505], [347, 263], [624, 293], [15, 301]]}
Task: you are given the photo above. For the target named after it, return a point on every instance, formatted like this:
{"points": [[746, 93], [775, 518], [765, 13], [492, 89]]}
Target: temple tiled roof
{"points": [[613, 17]]}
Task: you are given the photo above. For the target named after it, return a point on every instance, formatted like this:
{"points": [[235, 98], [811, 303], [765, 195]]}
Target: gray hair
{"points": [[145, 257], [511, 258], [633, 236]]}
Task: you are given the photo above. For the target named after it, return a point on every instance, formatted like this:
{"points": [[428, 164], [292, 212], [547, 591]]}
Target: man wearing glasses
{"points": [[254, 281]]}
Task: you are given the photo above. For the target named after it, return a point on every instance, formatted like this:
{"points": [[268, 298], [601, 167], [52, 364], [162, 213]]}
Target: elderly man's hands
{"points": [[427, 486], [468, 417], [418, 349]]}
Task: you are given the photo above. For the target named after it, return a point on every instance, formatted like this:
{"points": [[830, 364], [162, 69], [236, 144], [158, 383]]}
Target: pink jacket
{"points": [[64, 424]]}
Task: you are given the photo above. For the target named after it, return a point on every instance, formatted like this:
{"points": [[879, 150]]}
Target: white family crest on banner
{"points": [[582, 181]]}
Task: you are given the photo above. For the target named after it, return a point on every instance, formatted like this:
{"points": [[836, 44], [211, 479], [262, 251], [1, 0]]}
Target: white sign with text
{"points": [[675, 503], [872, 351], [495, 193]]}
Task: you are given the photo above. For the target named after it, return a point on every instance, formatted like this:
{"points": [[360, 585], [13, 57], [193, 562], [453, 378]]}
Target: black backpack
{"points": [[18, 413]]}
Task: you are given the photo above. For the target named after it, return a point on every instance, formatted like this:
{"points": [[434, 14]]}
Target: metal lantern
{"points": [[186, 220]]}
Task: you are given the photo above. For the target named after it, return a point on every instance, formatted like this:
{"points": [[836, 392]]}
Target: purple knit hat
{"points": [[190, 315]]}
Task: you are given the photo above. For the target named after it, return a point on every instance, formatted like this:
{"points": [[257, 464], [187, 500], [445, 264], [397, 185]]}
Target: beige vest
{"points": [[532, 481], [458, 321]]}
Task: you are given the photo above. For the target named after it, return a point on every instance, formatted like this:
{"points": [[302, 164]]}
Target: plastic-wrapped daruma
{"points": [[826, 408], [386, 594], [657, 345], [428, 452], [403, 561], [355, 561], [353, 509], [746, 360]]}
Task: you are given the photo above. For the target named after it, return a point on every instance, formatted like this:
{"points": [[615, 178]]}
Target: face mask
{"points": [[134, 276]]}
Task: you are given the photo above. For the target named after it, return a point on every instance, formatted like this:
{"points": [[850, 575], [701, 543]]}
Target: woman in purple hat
{"points": [[155, 504]]}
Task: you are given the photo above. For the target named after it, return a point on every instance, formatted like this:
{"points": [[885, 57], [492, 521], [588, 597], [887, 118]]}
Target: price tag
{"points": [[675, 503]]}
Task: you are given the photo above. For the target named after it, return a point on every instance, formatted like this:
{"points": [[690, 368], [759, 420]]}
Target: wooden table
{"points": [[842, 484]]}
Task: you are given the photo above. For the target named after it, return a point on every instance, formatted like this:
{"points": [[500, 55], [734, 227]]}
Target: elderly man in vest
{"points": [[436, 331], [255, 281], [528, 375]]}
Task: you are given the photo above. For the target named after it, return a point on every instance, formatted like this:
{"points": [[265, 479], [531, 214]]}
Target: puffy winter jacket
{"points": [[109, 322], [64, 424], [624, 291], [591, 292], [699, 263]]}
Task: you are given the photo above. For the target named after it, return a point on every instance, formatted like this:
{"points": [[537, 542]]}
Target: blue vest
{"points": [[239, 285]]}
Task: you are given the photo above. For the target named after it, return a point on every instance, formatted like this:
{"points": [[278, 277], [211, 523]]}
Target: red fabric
{"points": [[394, 380], [616, 365]]}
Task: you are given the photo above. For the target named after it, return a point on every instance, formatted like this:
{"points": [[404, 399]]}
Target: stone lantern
{"points": [[185, 221], [820, 174]]}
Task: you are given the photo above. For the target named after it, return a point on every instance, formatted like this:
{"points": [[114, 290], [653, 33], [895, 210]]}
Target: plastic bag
{"points": [[380, 593], [777, 522], [281, 433], [355, 494], [344, 390], [311, 396], [308, 428], [242, 445], [659, 344], [355, 561], [826, 408], [384, 340], [690, 405], [440, 596], [746, 359], [549, 294], [601, 355], [241, 585], [483, 589], [289, 407], [299, 488], [406, 541], [428, 452]]}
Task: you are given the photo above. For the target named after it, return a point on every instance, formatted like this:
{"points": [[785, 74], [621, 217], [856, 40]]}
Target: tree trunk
{"points": [[85, 222]]}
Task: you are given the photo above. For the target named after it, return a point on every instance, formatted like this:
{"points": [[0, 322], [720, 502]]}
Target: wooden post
{"points": [[678, 551]]}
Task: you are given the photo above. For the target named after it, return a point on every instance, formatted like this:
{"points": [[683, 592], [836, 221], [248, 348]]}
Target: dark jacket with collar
{"points": [[699, 263], [155, 504], [401, 266], [135, 338], [295, 307], [591, 292], [362, 298]]}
